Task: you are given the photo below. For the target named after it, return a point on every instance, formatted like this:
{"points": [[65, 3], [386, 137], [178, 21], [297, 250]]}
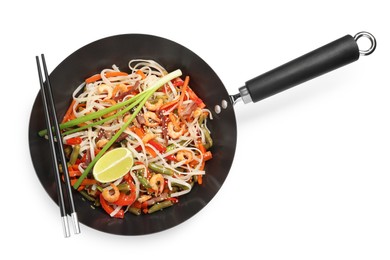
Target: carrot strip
{"points": [[93, 78], [85, 182], [115, 74], [139, 72], [169, 104], [73, 173], [138, 131], [150, 151], [200, 179], [174, 121], [81, 187], [108, 74], [183, 93], [69, 112], [201, 147], [207, 156]]}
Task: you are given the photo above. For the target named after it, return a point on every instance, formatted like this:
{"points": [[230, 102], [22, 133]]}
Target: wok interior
{"points": [[91, 59]]}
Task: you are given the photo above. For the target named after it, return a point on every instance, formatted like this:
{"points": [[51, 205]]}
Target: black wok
{"points": [[118, 50]]}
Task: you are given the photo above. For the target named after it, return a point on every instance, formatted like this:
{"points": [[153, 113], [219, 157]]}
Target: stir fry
{"points": [[153, 125]]}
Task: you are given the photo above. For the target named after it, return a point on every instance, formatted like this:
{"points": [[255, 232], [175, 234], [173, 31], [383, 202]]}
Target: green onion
{"points": [[100, 113]]}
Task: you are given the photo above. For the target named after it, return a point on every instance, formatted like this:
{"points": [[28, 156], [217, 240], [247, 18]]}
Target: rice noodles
{"points": [[168, 138]]}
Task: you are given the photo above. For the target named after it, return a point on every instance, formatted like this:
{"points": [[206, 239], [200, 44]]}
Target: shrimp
{"points": [[148, 137], [103, 88], [172, 131], [156, 181], [184, 155], [101, 143], [126, 117], [111, 197], [151, 119], [154, 106]]}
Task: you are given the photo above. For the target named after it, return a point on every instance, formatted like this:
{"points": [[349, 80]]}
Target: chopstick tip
{"points": [[65, 225]]}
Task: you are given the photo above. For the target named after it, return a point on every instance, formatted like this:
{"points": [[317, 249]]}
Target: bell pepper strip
{"points": [[109, 209], [126, 200], [159, 147], [195, 98], [75, 167], [178, 82], [74, 140]]}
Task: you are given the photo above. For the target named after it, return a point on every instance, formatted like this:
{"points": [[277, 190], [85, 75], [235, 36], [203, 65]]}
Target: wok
{"points": [[118, 50]]}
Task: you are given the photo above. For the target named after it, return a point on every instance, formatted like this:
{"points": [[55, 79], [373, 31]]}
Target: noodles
{"points": [[168, 139]]}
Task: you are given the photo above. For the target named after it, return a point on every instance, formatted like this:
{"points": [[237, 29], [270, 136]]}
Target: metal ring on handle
{"points": [[372, 40]]}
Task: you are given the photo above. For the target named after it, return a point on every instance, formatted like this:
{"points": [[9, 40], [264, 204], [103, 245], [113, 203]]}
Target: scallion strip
{"points": [[98, 113]]}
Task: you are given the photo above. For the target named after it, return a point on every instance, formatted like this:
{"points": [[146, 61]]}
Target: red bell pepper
{"points": [[109, 209], [177, 82], [159, 147], [195, 98], [74, 140], [126, 200]]}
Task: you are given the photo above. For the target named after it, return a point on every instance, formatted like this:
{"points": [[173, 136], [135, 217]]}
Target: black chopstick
{"points": [[52, 123]]}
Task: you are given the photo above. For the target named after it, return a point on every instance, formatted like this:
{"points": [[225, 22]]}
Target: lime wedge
{"points": [[113, 165]]}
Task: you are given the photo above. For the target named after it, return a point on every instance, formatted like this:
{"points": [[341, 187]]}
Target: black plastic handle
{"points": [[313, 64]]}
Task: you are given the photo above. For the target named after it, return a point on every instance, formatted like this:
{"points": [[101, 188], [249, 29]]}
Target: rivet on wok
{"points": [[224, 104], [217, 109]]}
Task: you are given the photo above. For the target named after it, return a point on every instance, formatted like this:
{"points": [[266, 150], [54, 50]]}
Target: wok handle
{"points": [[313, 64]]}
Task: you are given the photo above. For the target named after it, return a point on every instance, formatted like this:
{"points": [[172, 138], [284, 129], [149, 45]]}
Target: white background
{"points": [[310, 179]]}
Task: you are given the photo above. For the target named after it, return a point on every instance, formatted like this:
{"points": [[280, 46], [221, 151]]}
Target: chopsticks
{"points": [[52, 123]]}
